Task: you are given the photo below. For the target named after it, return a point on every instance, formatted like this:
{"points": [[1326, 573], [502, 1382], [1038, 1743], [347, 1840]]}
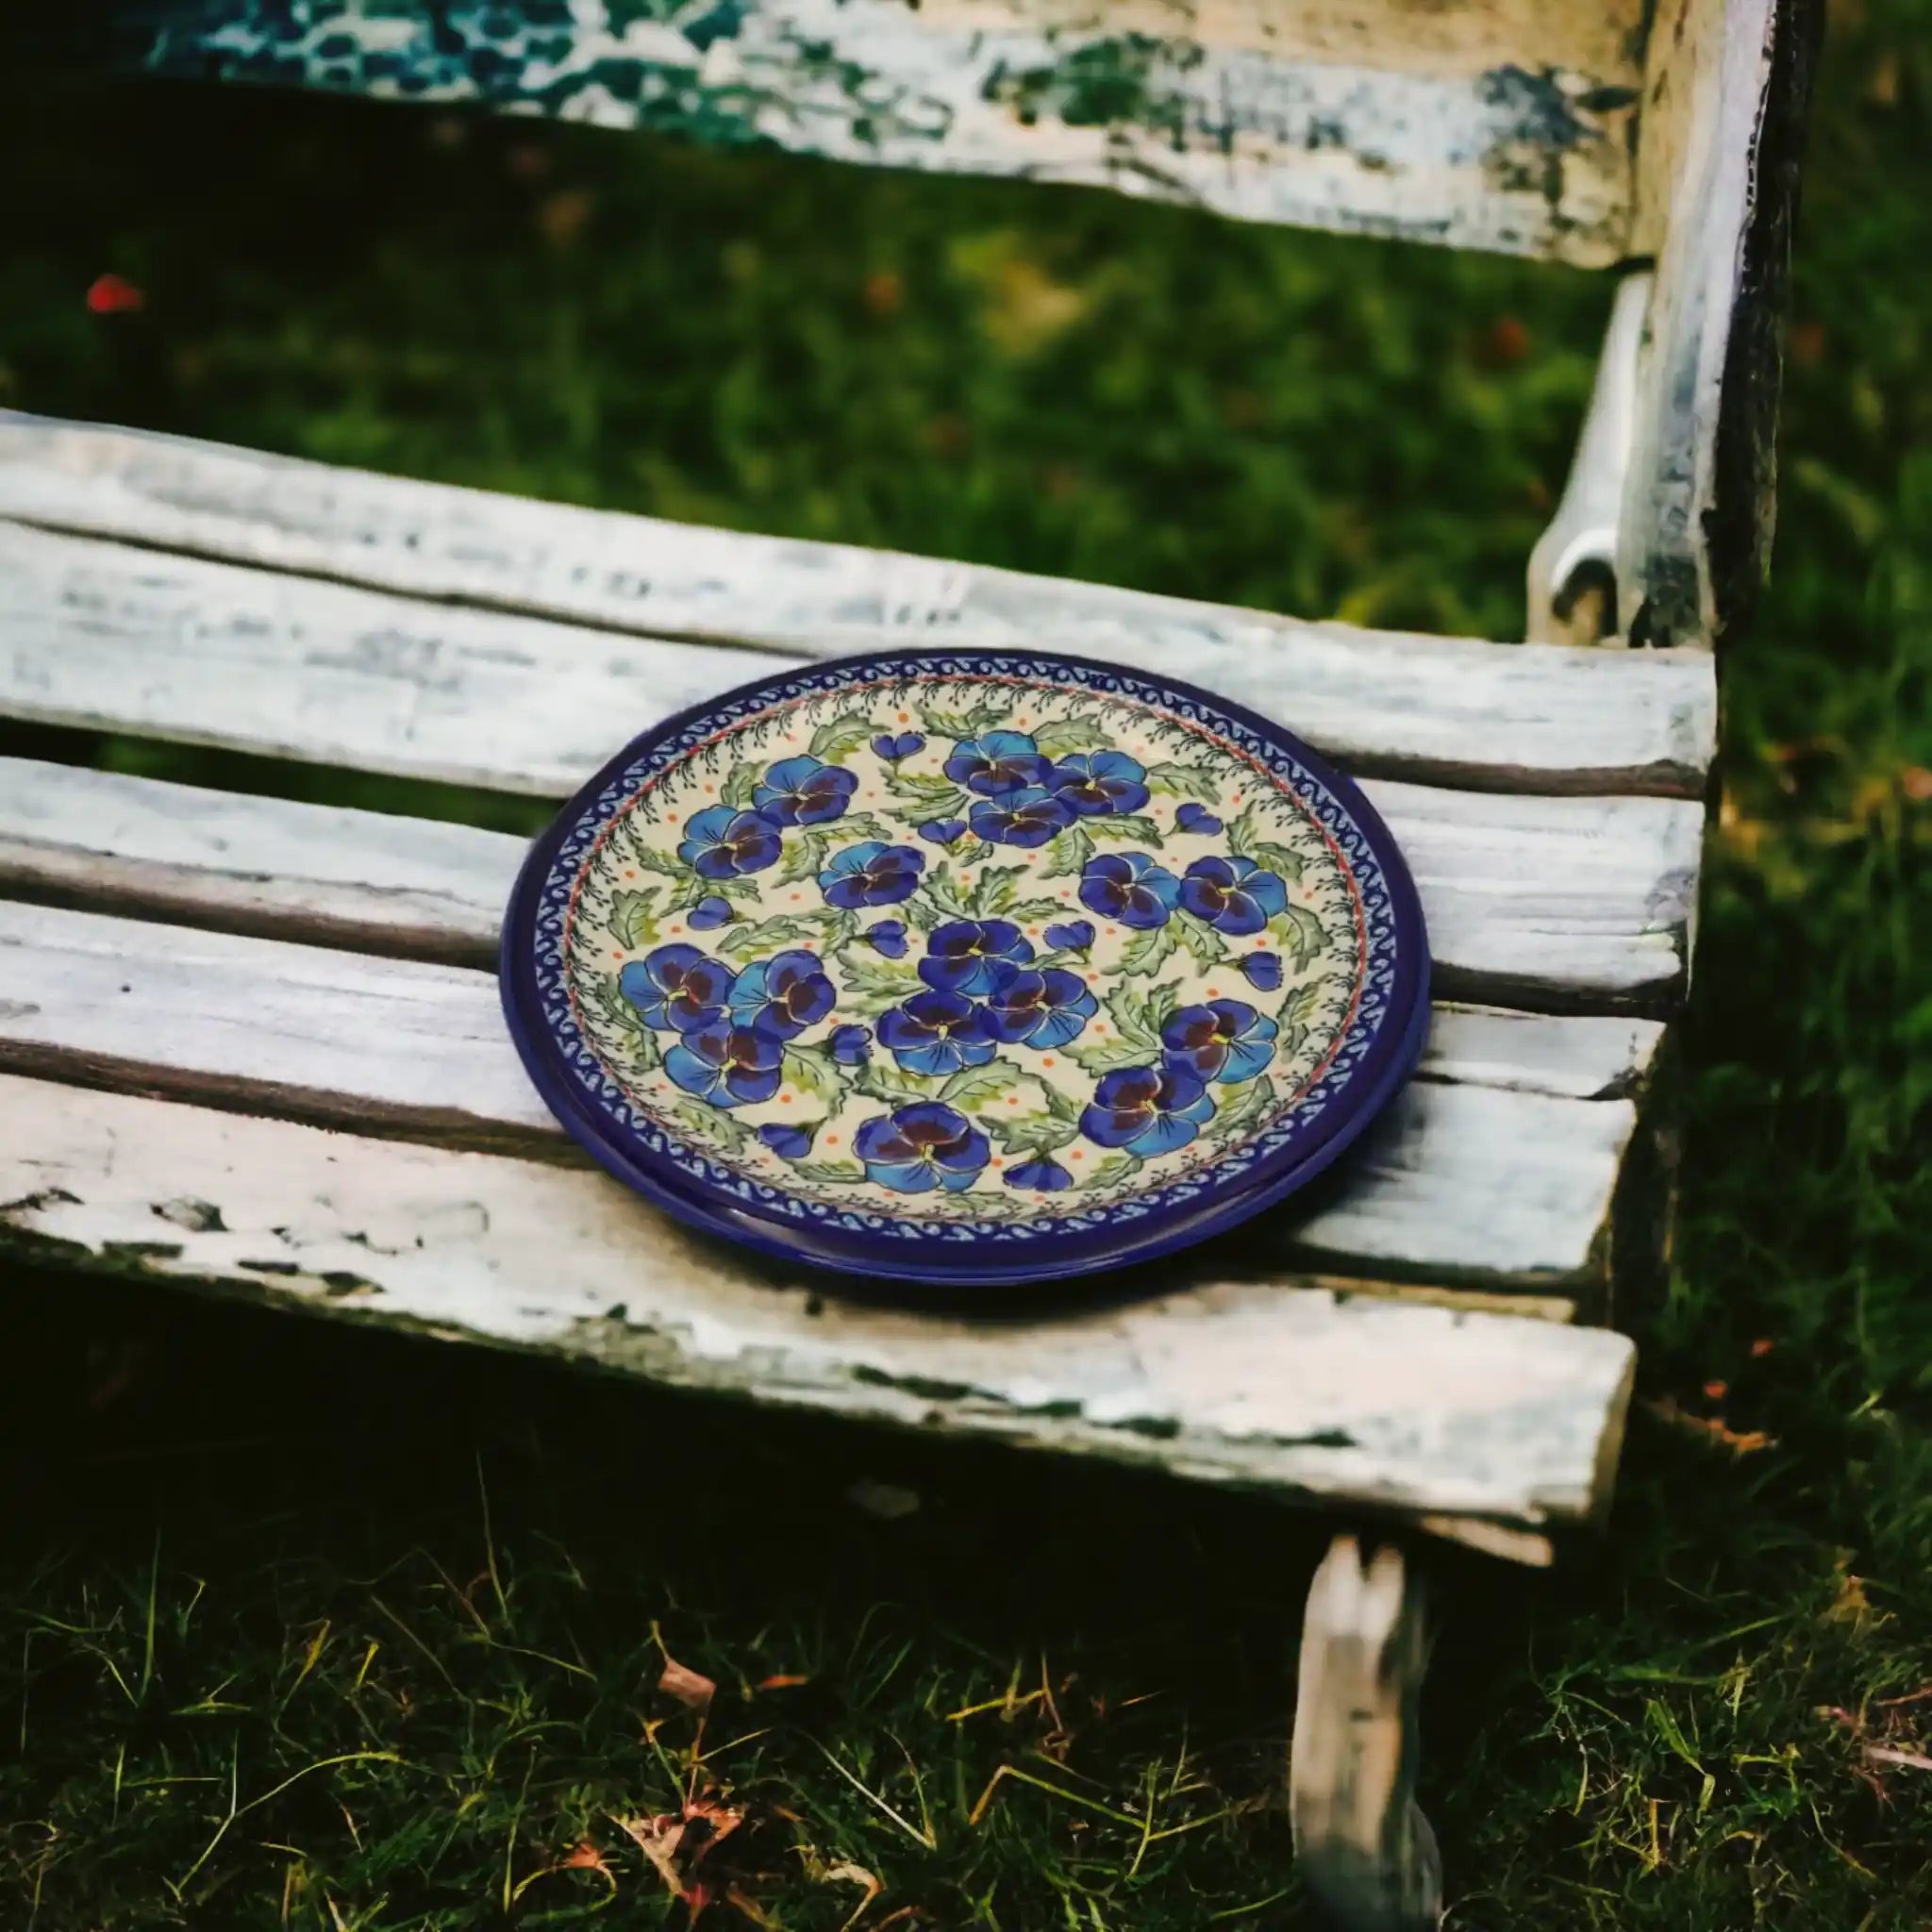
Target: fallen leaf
{"points": [[719, 1819], [561, 217], [1717, 1389], [781, 1680], [677, 1843], [1762, 1346], [1739, 1441], [659, 1838], [113, 294], [1503, 344], [849, 1874], [1807, 341], [584, 1857], [883, 293], [691, 1689]]}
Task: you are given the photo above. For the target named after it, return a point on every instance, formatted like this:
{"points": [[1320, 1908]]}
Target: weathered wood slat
{"points": [[1482, 716], [1594, 1056], [1726, 87], [1571, 903], [326, 875], [102, 636], [1489, 1169], [1356, 1399], [1493, 123], [78, 960], [1558, 903]]}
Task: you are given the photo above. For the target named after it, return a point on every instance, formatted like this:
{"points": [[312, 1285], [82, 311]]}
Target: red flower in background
{"points": [[113, 296]]}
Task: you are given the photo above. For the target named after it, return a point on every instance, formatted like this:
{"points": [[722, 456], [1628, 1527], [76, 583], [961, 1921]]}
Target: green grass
{"points": [[313, 1627]]}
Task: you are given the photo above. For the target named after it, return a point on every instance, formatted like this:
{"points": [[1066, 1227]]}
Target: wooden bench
{"points": [[253, 1044]]}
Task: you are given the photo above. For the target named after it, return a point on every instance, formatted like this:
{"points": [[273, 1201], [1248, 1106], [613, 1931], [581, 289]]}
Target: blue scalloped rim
{"points": [[1365, 1072]]}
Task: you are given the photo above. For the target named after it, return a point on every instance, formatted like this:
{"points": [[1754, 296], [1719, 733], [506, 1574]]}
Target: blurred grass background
{"points": [[325, 1629]]}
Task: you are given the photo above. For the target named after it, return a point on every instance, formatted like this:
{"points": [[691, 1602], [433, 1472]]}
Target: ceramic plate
{"points": [[966, 966]]}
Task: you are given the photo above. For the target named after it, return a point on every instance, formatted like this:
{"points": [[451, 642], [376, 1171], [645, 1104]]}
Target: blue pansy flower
{"points": [[937, 1032], [968, 955], [794, 1143], [1263, 971], [1097, 781], [887, 937], [1129, 887], [1027, 817], [803, 791], [1223, 1040], [997, 763], [1073, 936], [1148, 1110], [720, 842], [677, 987], [1195, 817], [727, 1065], [893, 749], [874, 873], [708, 912], [1043, 1175], [851, 1046], [1041, 1009], [943, 831], [784, 994], [920, 1146], [1232, 894]]}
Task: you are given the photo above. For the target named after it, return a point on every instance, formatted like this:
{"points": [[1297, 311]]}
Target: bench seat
{"points": [[253, 1042]]}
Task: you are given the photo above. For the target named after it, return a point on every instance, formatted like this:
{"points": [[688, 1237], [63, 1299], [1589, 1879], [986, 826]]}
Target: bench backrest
{"points": [[1593, 132], [1482, 124]]}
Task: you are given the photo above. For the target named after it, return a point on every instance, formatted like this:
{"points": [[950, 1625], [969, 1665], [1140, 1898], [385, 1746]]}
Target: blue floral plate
{"points": [[966, 966]]}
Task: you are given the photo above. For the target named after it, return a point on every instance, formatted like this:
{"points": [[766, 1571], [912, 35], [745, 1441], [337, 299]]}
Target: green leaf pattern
{"points": [[637, 891]]}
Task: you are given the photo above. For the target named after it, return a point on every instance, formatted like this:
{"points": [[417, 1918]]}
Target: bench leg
{"points": [[1366, 1853]]}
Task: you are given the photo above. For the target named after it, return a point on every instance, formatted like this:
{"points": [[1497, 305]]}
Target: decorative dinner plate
{"points": [[966, 966]]}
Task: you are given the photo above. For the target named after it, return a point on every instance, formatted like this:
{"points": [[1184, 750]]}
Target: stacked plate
{"points": [[966, 966]]}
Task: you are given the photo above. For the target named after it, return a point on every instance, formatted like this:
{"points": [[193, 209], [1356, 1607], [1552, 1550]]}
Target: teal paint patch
{"points": [[1117, 83], [1541, 123], [642, 62]]}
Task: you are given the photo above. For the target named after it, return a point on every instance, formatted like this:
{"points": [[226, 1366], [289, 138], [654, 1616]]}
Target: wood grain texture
{"points": [[1490, 1169], [1491, 124], [1363, 1846], [1563, 904], [1368, 1403], [1726, 87], [1744, 481], [1494, 717], [324, 875]]}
